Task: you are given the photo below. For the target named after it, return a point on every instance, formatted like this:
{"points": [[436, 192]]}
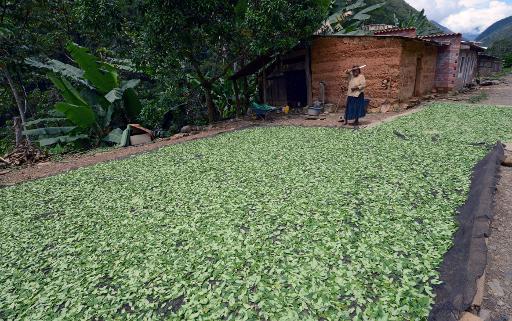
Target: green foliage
{"points": [[276, 223], [348, 16], [92, 108], [507, 60], [497, 31], [478, 97], [417, 20], [395, 8], [206, 39]]}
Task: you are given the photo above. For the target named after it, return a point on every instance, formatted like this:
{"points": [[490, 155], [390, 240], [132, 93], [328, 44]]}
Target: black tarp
{"points": [[465, 262]]}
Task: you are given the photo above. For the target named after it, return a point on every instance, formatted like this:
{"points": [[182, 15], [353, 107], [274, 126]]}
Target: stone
{"points": [[480, 291], [507, 276], [507, 161], [496, 288], [485, 315], [469, 317], [186, 129]]}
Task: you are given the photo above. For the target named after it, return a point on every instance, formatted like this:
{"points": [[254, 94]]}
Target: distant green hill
{"points": [[498, 37], [400, 8]]}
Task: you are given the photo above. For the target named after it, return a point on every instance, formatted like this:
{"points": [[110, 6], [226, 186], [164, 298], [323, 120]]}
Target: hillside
{"points": [[497, 37], [496, 31], [400, 8]]}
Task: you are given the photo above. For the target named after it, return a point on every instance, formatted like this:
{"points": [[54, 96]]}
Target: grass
{"points": [[478, 97], [280, 223]]}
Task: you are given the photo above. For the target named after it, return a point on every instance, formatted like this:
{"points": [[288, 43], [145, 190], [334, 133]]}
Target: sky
{"points": [[465, 16]]}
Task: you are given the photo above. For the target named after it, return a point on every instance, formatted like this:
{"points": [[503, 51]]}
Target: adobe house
{"points": [[398, 69], [487, 65], [457, 60]]}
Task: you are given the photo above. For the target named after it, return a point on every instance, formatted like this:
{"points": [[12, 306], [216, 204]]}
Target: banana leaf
{"points": [[132, 104], [117, 93], [43, 120], [67, 90], [48, 131], [104, 79], [59, 68], [61, 139], [82, 116]]}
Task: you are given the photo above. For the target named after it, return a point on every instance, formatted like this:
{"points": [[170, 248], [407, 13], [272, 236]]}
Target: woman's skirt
{"points": [[356, 107]]}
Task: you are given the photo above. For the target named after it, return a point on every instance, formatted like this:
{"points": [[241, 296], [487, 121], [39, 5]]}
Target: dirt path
{"points": [[70, 162], [497, 304], [500, 94]]}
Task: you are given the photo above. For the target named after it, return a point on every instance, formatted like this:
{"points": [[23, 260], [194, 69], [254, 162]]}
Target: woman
{"points": [[355, 96]]}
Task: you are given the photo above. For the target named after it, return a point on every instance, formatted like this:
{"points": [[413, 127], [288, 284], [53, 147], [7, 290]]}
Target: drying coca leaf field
{"points": [[274, 223]]}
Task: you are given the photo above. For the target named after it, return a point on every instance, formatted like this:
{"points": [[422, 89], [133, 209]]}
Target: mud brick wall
{"points": [[331, 56], [417, 80], [387, 58]]}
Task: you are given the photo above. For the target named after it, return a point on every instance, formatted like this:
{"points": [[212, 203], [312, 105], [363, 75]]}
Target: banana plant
{"points": [[347, 17], [90, 109]]}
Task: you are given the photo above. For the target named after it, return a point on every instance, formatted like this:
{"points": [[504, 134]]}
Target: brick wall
{"points": [[447, 61]]}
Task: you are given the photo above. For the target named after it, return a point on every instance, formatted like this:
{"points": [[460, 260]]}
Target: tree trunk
{"points": [[236, 89], [213, 113], [17, 130], [17, 98], [247, 95]]}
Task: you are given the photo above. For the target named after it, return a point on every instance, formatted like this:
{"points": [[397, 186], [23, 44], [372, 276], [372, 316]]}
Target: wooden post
{"points": [[307, 68], [265, 84]]}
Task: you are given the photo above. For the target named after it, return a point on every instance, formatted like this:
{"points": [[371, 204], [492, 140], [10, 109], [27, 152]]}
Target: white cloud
{"points": [[466, 16]]}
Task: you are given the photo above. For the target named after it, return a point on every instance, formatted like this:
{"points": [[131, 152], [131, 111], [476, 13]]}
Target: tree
{"points": [[419, 21], [207, 38], [347, 17], [26, 28]]}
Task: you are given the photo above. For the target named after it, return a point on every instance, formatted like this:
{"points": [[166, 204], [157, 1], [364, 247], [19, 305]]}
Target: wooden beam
{"points": [[307, 68]]}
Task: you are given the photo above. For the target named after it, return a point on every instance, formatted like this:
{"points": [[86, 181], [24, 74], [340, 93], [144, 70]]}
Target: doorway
{"points": [[296, 88]]}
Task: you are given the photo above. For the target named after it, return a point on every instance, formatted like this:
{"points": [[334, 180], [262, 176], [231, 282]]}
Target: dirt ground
{"points": [[497, 304], [500, 94], [70, 162]]}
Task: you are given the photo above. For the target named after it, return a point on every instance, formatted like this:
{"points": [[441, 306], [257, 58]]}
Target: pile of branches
{"points": [[24, 153]]}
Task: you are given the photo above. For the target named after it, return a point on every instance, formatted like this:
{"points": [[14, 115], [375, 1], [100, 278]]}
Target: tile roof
{"points": [[394, 30], [441, 35]]}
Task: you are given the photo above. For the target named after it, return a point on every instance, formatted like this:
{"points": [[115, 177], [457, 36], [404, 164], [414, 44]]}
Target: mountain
{"points": [[399, 8], [497, 31], [441, 27], [497, 37]]}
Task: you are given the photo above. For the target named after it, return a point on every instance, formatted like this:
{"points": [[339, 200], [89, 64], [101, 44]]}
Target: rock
{"points": [[501, 303], [507, 277], [485, 315], [507, 161], [496, 288], [186, 129], [480, 290], [469, 317]]}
